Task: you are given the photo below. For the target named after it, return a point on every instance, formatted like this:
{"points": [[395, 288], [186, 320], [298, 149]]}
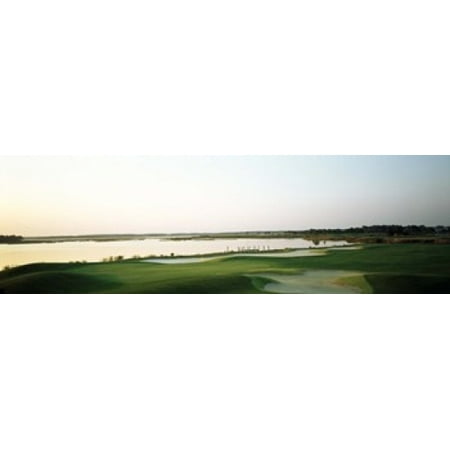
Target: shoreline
{"points": [[118, 259], [369, 239]]}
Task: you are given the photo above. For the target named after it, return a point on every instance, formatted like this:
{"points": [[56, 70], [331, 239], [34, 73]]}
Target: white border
{"points": [[224, 372]]}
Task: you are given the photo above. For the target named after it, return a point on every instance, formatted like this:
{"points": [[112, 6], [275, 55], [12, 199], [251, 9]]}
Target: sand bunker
{"points": [[281, 254], [177, 260], [189, 260], [346, 248], [309, 282]]}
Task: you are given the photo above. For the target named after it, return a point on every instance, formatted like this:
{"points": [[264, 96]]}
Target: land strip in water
{"points": [[391, 234]]}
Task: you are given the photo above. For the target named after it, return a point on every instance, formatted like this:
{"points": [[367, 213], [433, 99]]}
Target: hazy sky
{"points": [[51, 195]]}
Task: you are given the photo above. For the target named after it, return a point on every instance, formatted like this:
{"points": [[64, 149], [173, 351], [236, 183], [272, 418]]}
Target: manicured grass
{"points": [[399, 268], [409, 284]]}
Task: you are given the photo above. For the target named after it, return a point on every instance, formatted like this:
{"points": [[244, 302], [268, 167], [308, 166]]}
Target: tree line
{"points": [[10, 239], [389, 230]]}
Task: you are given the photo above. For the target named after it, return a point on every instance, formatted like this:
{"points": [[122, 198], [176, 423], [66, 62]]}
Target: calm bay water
{"points": [[92, 251]]}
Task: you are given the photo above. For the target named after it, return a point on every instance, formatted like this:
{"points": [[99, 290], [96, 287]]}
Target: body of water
{"points": [[92, 251]]}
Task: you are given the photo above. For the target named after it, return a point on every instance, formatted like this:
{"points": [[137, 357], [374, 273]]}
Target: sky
{"points": [[60, 195]]}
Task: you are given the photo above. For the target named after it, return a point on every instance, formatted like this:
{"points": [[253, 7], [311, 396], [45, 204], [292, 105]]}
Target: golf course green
{"points": [[375, 268]]}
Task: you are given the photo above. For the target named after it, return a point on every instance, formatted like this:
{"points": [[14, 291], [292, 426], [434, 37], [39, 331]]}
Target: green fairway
{"points": [[381, 268]]}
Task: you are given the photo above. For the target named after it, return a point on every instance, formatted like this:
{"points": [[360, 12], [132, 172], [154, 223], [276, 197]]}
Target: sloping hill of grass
{"points": [[409, 284], [52, 282]]}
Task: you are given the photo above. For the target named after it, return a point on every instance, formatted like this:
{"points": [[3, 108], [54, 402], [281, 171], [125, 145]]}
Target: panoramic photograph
{"points": [[225, 224]]}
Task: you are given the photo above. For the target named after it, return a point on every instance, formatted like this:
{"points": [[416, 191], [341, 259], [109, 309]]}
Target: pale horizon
{"points": [[80, 195]]}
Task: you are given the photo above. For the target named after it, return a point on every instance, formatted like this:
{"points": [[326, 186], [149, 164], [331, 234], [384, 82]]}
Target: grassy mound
{"points": [[409, 284], [53, 282]]}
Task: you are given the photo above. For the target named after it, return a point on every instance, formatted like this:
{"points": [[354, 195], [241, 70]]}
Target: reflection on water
{"points": [[91, 251]]}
